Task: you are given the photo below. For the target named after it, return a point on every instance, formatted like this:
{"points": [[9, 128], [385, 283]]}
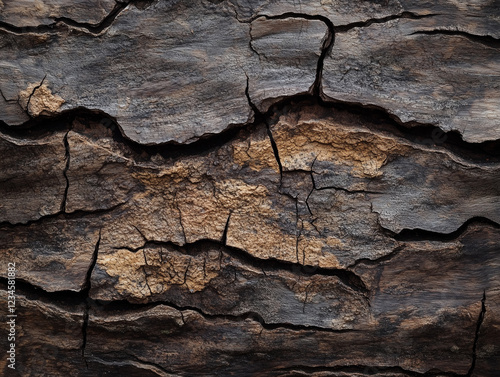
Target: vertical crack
{"points": [[311, 172], [476, 336], [260, 117], [226, 227], [31, 95], [65, 173], [325, 50], [145, 272], [275, 150], [85, 292]]}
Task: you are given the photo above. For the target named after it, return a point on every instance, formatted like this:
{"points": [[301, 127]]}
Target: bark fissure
{"points": [[276, 152], [94, 29], [366, 23], [349, 278], [63, 215], [379, 119], [377, 261], [85, 292], [71, 298], [426, 235], [27, 109], [65, 173], [485, 40], [476, 335]]}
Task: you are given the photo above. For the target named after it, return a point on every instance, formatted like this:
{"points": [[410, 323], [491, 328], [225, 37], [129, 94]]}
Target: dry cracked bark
{"points": [[251, 187]]}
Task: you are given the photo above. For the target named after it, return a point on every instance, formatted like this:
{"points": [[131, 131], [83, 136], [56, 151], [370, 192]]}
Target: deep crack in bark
{"points": [[378, 118], [348, 278], [94, 29], [31, 95], [427, 235], [371, 21], [65, 173], [62, 215], [476, 335], [85, 292]]}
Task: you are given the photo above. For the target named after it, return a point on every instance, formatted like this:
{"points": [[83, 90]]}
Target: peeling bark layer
{"points": [[251, 188]]}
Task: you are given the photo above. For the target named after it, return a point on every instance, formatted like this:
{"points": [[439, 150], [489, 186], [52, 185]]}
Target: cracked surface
{"points": [[26, 13], [251, 187], [431, 78]]}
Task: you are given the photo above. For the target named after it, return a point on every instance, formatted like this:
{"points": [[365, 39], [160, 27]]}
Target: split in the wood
{"points": [[486, 40], [366, 23], [60, 23]]}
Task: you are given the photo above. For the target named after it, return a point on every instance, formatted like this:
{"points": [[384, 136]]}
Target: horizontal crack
{"points": [[377, 118], [91, 28], [425, 134], [476, 335], [61, 215], [426, 235], [123, 305], [485, 40], [377, 261], [73, 298], [366, 23], [347, 191], [349, 278]]}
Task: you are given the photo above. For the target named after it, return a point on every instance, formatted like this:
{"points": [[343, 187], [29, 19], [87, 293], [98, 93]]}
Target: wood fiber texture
{"points": [[251, 188]]}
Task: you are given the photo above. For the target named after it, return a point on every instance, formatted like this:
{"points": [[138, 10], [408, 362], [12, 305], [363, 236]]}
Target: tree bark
{"points": [[250, 188]]}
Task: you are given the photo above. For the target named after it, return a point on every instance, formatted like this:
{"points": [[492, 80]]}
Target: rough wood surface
{"points": [[251, 188]]}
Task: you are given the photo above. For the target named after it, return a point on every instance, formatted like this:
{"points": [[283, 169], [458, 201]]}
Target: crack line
{"points": [[85, 292], [371, 21], [62, 215], [417, 234], [485, 40], [348, 278], [94, 29], [476, 335], [65, 173]]}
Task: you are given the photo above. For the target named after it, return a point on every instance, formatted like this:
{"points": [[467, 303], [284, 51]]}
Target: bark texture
{"points": [[251, 188]]}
